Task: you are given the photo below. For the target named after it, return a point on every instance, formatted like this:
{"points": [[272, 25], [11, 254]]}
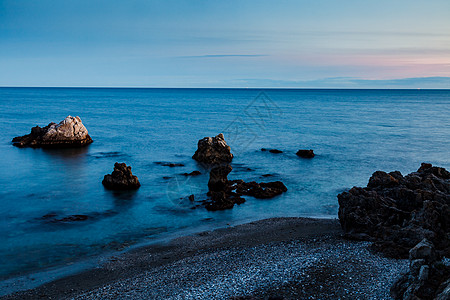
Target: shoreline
{"points": [[321, 236]]}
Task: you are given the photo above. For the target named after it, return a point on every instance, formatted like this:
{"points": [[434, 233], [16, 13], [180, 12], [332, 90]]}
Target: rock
{"points": [[226, 193], [218, 178], [305, 153], [398, 212], [166, 164], [121, 178], [213, 151], [68, 133], [193, 173], [263, 190], [427, 278], [423, 250], [53, 218], [444, 291], [275, 151]]}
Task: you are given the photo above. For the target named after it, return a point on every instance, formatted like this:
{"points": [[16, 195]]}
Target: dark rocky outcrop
{"points": [[396, 212], [218, 180], [193, 173], [213, 151], [70, 132], [275, 151], [121, 178], [263, 190], [226, 193], [306, 153], [428, 278]]}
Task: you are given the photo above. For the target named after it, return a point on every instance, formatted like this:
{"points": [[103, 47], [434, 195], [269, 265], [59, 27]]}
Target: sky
{"points": [[246, 43]]}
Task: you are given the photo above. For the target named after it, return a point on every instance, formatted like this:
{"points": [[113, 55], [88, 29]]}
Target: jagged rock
{"points": [[263, 190], [225, 193], [444, 291], [121, 178], [68, 133], [427, 277], [399, 211], [213, 151], [305, 153], [218, 178]]}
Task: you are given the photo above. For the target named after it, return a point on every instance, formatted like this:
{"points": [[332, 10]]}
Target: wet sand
{"points": [[288, 258]]}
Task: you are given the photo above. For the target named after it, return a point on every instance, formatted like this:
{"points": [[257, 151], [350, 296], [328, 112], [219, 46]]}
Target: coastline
{"points": [[281, 250]]}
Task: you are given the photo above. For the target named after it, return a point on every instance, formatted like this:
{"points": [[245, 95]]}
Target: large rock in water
{"points": [[121, 178], [70, 132], [213, 151], [397, 212]]}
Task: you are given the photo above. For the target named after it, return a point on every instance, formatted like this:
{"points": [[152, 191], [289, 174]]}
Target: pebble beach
{"points": [[280, 258]]}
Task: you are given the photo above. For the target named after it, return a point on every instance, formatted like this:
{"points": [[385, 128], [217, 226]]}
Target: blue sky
{"points": [[173, 43]]}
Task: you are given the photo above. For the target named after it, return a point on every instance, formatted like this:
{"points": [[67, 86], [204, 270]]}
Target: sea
{"points": [[352, 132]]}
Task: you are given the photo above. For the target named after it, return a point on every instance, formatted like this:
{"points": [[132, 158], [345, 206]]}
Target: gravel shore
{"points": [[282, 258]]}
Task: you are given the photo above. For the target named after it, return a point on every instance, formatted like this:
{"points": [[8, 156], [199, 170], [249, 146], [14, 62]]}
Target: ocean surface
{"points": [[352, 132]]}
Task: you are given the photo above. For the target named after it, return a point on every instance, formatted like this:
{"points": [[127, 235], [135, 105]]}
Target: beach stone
{"points": [[121, 178], [213, 151], [70, 132], [305, 153], [398, 212]]}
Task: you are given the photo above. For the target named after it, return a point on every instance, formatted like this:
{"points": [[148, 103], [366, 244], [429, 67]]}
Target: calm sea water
{"points": [[353, 132]]}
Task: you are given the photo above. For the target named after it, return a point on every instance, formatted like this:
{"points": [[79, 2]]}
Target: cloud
{"points": [[347, 82]]}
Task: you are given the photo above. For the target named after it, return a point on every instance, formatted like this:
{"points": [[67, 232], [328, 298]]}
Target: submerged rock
{"points": [[121, 178], [428, 278], [68, 133], [168, 164], [306, 153], [397, 212], [193, 173], [275, 151], [213, 151]]}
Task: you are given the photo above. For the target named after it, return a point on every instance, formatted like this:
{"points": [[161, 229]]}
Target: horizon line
{"points": [[236, 88]]}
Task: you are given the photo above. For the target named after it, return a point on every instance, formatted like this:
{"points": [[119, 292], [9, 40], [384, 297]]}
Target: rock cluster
{"points": [[68, 133], [305, 153], [397, 212], [121, 178], [226, 193], [428, 278], [275, 151], [213, 151]]}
